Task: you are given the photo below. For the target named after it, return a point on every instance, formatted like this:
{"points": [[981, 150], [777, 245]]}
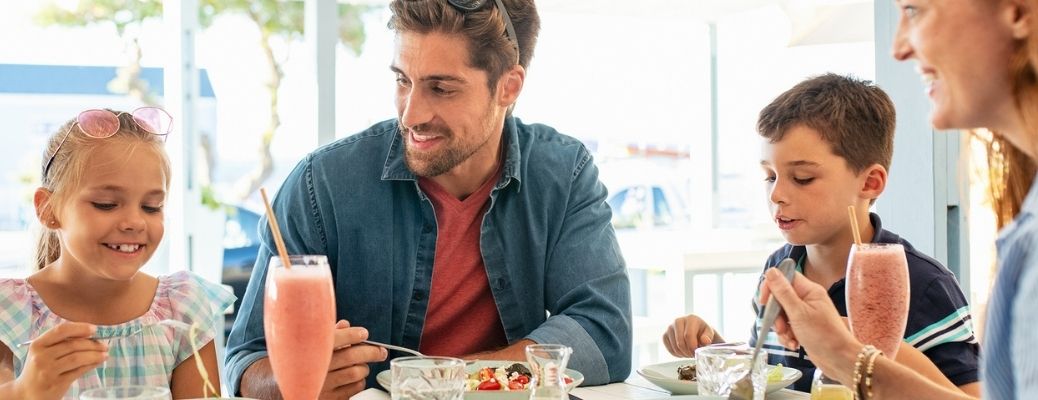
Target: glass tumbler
{"points": [[718, 368], [127, 392], [427, 378], [826, 388], [548, 364]]}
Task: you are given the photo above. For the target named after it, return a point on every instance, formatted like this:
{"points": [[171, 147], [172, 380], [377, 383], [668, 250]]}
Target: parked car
{"points": [[647, 205], [241, 244], [644, 194]]}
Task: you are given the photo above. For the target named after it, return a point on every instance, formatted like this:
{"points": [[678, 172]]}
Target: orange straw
{"points": [[273, 221], [854, 225]]}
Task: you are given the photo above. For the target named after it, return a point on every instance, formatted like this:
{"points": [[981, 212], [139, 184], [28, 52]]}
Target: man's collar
{"points": [[513, 156], [395, 168]]}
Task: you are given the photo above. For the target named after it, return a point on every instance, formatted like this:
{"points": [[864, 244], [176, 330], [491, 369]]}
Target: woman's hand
{"points": [[57, 358], [810, 319]]}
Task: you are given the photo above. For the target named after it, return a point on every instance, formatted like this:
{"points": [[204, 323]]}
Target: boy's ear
{"points": [[874, 183], [44, 213]]}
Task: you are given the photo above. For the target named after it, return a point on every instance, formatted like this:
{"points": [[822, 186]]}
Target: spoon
{"points": [[166, 322]]}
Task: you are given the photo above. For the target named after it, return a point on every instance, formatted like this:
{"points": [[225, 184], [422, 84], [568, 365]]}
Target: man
{"points": [[454, 229]]}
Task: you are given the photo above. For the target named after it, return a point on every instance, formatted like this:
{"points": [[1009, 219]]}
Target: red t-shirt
{"points": [[462, 317]]}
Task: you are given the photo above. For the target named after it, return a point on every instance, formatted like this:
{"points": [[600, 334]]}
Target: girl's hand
{"points": [[57, 358]]}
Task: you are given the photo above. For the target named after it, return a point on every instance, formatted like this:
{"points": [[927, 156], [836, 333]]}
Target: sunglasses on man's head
{"points": [[473, 5], [101, 124]]}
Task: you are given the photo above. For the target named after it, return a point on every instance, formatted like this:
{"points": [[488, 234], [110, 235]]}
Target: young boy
{"points": [[828, 145]]}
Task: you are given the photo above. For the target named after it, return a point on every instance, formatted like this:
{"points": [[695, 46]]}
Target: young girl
{"points": [[105, 179]]}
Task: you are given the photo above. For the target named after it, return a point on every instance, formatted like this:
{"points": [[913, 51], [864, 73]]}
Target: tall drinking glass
{"points": [[877, 294], [299, 317]]}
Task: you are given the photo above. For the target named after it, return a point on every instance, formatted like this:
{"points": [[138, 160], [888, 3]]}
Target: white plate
{"points": [[665, 376], [385, 379], [692, 397]]}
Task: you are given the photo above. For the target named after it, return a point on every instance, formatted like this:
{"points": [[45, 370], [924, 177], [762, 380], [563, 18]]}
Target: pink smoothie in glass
{"points": [[877, 295], [299, 319]]}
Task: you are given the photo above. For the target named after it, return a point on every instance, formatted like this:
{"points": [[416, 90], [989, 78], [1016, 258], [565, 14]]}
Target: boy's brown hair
{"points": [[854, 116]]}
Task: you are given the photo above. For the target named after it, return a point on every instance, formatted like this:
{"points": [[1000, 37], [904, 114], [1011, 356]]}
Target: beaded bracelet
{"points": [[868, 374], [857, 372], [858, 364]]}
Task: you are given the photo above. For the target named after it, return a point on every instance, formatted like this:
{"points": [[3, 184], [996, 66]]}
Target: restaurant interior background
{"points": [[664, 92]]}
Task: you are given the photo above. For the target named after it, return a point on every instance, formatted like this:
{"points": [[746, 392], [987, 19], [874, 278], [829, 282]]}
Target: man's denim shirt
{"points": [[551, 256]]}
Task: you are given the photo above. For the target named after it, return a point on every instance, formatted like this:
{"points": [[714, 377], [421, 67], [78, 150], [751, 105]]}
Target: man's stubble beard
{"points": [[437, 163]]}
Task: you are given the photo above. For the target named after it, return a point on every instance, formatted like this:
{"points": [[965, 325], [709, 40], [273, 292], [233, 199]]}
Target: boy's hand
{"points": [[57, 358], [687, 334]]}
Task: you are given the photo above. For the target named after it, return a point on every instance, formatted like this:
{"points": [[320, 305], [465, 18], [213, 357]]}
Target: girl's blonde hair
{"points": [[66, 171]]}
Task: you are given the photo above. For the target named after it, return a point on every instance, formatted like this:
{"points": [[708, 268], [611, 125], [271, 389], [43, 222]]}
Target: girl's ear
{"points": [[44, 213], [875, 181]]}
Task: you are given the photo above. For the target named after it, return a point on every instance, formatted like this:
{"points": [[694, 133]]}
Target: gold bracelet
{"points": [[857, 374], [858, 364], [868, 374]]}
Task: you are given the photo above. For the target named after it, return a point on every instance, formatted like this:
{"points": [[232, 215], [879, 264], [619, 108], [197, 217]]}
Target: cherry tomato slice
{"points": [[491, 384]]}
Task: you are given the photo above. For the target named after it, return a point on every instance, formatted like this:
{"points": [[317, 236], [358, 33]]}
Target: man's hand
{"points": [[346, 372], [687, 334], [349, 367]]}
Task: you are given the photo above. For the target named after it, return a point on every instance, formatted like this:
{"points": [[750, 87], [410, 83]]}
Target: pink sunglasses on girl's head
{"points": [[100, 124]]}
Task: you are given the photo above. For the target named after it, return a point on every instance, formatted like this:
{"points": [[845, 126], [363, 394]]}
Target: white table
{"points": [[634, 388]]}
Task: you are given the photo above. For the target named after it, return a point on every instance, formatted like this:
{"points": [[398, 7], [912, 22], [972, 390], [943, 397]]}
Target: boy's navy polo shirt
{"points": [[939, 321]]}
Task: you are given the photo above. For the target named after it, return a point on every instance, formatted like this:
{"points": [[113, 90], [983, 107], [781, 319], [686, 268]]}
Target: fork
{"points": [[392, 347], [404, 349], [743, 388], [165, 322]]}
